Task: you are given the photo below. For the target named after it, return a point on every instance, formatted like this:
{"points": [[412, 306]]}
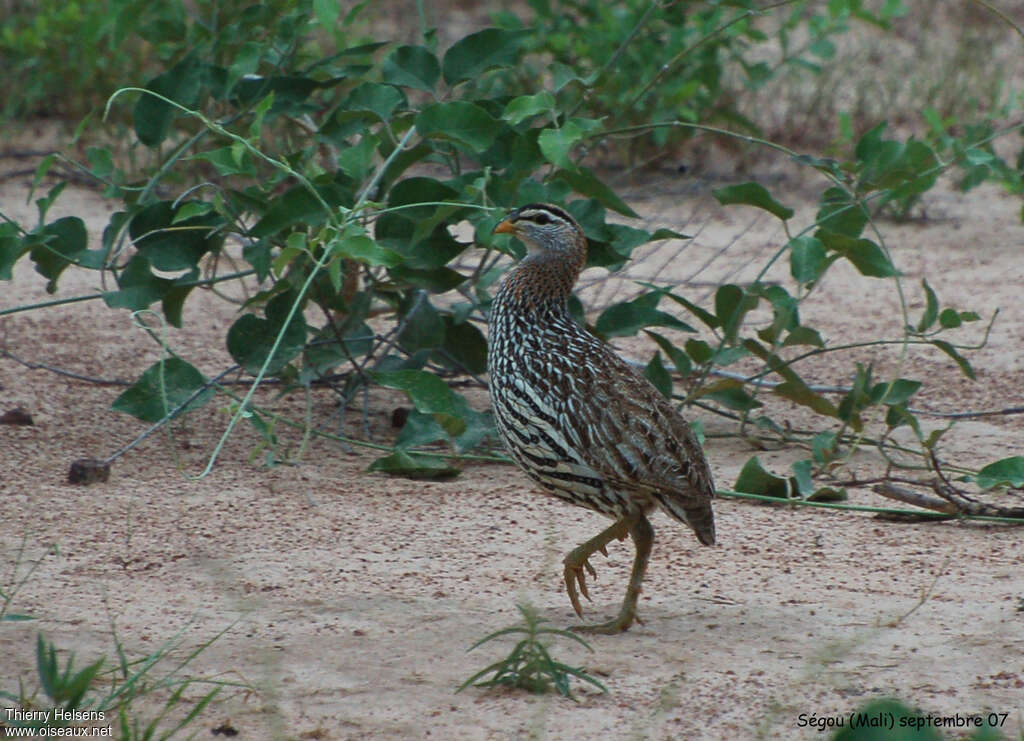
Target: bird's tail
{"points": [[697, 514], [702, 520]]}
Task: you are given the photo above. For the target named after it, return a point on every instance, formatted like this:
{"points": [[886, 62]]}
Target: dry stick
{"points": [[952, 502], [916, 498]]}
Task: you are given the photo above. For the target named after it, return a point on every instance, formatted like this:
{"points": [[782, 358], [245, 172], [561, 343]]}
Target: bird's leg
{"points": [[643, 537], [577, 560]]}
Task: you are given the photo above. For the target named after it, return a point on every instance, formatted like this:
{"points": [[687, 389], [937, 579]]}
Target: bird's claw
{"points": [[576, 576]]}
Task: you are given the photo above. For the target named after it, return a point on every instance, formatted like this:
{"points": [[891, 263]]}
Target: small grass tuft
{"points": [[529, 665]]}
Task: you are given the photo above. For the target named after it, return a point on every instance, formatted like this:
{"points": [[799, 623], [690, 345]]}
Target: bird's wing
{"points": [[637, 441]]}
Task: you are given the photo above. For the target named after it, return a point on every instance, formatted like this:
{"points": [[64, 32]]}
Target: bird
{"points": [[579, 420]]}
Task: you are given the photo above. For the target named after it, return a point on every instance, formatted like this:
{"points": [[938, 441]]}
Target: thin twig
{"points": [[925, 593], [61, 372], [171, 414]]}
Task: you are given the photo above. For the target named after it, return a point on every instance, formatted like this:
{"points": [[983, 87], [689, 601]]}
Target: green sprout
{"points": [[529, 665]]}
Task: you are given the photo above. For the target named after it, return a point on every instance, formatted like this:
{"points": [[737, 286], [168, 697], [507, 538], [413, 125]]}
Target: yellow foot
{"points": [[577, 566], [574, 575]]}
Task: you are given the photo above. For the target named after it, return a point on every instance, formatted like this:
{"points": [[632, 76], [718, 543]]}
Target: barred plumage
{"points": [[580, 421]]}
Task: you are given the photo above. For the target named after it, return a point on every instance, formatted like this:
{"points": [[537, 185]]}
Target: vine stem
{"points": [[102, 294], [728, 493]]}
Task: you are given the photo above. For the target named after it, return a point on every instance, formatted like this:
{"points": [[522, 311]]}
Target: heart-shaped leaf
{"points": [[251, 340], [162, 388]]}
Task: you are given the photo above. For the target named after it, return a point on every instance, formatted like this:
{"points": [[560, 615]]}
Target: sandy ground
{"points": [[349, 599]]}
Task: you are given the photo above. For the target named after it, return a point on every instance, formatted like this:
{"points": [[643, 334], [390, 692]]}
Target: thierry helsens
{"points": [[59, 714]]}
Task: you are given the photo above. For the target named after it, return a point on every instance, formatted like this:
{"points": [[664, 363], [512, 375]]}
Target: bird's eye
{"points": [[541, 219]]}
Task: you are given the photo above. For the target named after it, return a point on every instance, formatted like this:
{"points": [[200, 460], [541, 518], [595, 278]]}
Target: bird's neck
{"points": [[542, 282]]}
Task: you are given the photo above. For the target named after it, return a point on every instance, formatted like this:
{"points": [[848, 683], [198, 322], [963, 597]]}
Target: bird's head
{"points": [[545, 230]]}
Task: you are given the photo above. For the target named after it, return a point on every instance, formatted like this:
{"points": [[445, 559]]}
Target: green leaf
{"points": [[562, 75], [191, 209], [586, 183], [949, 319], [931, 310], [277, 94], [898, 392], [326, 12], [801, 393], [363, 249], [458, 121], [629, 317], [139, 287], [415, 466], [43, 204], [251, 339], [435, 280], [793, 386], [785, 310], [826, 165], [829, 494], [699, 350], [473, 55], [730, 394], [478, 427], [752, 194], [411, 66], [59, 244], [161, 388], [299, 206], [866, 256], [428, 393], [754, 479], [357, 160], [823, 447], [12, 248], [965, 366], [174, 245], [173, 301], [557, 144], [624, 239], [801, 480], [679, 359], [705, 316], [803, 336], [181, 83], [409, 194], [726, 356], [666, 233], [226, 160], [897, 416], [375, 98], [807, 259], [657, 375], [1008, 472], [466, 345], [519, 109], [101, 161], [841, 213], [731, 304], [420, 429], [422, 325]]}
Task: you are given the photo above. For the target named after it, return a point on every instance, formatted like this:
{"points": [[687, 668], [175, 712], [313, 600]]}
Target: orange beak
{"points": [[505, 227]]}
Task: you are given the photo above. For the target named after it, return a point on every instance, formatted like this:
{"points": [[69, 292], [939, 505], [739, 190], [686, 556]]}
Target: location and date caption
{"points": [[891, 721]]}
